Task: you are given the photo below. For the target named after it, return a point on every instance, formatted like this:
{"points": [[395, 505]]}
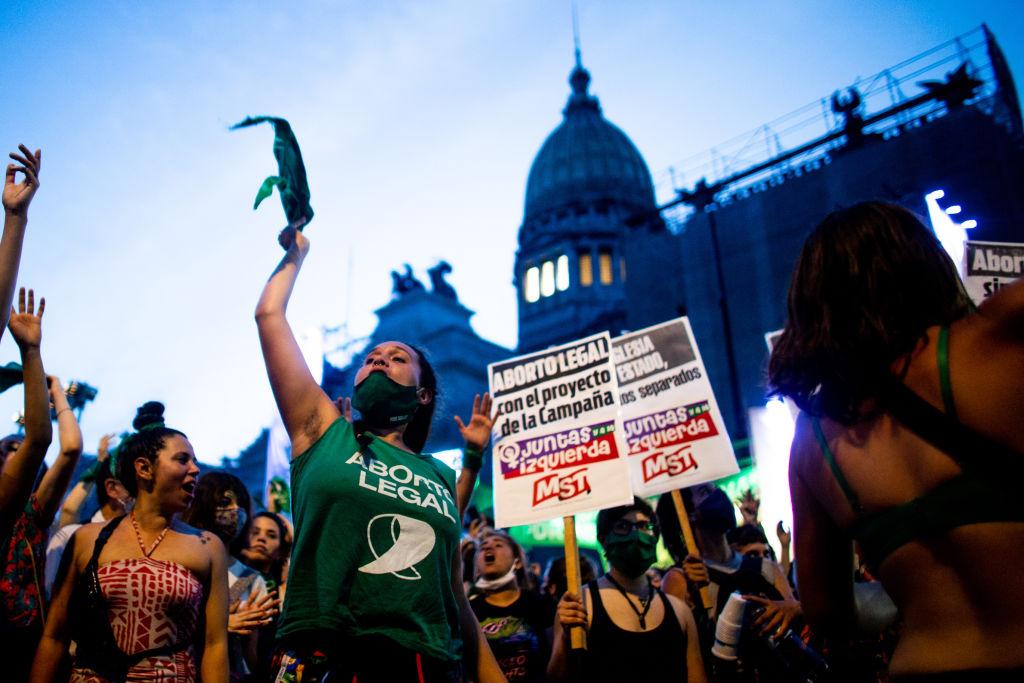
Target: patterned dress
{"points": [[152, 604]]}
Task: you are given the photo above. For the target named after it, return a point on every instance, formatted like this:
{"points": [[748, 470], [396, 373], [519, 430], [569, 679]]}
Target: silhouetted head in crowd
{"points": [[555, 581], [869, 281], [222, 505], [110, 492]]}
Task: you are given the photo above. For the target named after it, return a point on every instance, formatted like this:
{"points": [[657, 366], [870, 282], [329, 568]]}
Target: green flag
{"points": [[10, 375], [291, 173]]}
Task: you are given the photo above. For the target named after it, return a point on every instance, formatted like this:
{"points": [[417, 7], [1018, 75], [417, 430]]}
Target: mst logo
{"points": [[561, 486], [662, 464]]}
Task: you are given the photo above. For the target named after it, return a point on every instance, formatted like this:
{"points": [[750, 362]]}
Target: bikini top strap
{"points": [[834, 466], [944, 383]]}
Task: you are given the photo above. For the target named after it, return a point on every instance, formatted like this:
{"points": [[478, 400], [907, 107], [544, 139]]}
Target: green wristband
{"points": [[89, 475], [472, 459]]}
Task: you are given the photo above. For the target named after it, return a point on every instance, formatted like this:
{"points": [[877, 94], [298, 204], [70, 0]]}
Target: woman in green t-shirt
{"points": [[375, 585]]}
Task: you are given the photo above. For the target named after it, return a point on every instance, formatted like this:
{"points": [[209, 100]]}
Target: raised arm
{"points": [[305, 409], [476, 435], [55, 481], [86, 483], [16, 198], [19, 472]]}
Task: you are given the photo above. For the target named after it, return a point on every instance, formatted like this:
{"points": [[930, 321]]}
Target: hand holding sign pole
{"points": [[577, 634]]}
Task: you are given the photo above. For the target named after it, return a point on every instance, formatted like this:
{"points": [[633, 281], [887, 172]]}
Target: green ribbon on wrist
{"points": [[89, 475], [472, 459]]}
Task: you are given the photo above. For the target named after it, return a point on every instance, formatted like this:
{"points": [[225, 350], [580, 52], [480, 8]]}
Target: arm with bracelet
{"points": [[56, 480], [476, 434]]}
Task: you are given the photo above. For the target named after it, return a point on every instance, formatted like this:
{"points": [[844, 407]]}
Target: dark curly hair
{"points": [[869, 281], [146, 442]]}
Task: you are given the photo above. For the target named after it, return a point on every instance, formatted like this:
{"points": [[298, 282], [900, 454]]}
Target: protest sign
{"points": [[990, 266], [557, 434], [673, 429]]}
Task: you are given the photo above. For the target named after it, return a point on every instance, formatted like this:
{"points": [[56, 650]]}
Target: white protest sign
{"points": [[990, 266], [558, 446], [674, 431]]}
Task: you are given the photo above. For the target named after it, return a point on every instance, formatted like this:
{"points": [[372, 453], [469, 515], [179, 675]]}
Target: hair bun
{"points": [[149, 414]]}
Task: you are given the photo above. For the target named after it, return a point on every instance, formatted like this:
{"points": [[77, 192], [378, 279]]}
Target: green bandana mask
{"points": [[631, 554], [384, 402]]}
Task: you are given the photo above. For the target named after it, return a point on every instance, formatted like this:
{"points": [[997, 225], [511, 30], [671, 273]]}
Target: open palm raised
{"points": [[26, 324], [477, 433]]}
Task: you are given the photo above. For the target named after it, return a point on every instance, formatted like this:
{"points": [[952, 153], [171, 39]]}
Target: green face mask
{"points": [[384, 402], [631, 554]]}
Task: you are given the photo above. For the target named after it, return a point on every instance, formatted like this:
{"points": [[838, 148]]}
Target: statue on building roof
{"points": [[403, 283], [439, 284]]}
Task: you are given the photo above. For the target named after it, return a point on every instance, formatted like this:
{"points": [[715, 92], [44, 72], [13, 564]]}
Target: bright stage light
{"points": [[951, 234], [771, 432], [953, 210]]}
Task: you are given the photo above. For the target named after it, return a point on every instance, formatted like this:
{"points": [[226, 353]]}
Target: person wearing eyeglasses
{"points": [[634, 631]]}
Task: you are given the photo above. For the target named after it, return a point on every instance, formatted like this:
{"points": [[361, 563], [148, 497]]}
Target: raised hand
{"points": [[26, 324], [103, 450], [784, 536], [749, 506], [17, 196], [294, 241], [477, 433]]}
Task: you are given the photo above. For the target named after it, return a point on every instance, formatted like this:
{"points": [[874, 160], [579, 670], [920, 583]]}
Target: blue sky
{"points": [[418, 122]]}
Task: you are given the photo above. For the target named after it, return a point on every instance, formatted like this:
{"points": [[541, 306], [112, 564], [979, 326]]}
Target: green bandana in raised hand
{"points": [[291, 172]]}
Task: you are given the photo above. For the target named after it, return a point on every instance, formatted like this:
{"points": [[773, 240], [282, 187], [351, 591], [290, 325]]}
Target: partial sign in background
{"points": [[990, 266], [558, 447], [673, 428]]}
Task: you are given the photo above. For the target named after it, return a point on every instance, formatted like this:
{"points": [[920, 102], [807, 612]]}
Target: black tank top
{"points": [[614, 654]]}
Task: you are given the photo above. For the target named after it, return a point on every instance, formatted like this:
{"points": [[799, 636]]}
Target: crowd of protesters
{"points": [[909, 405]]}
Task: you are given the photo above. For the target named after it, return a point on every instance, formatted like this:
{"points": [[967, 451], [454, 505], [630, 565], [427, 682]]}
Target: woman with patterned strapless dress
{"points": [[134, 592]]}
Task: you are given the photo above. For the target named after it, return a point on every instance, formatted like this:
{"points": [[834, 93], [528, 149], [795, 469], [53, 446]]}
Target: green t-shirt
{"points": [[375, 534]]}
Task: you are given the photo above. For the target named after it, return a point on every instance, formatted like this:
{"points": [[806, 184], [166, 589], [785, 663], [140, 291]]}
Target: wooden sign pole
{"points": [[691, 542], [577, 634]]}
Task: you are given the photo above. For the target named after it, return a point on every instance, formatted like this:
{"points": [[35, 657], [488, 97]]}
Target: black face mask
{"points": [[383, 402]]}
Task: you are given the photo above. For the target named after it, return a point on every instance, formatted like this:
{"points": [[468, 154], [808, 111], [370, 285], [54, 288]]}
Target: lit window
{"points": [[586, 269], [562, 273], [605, 265], [547, 278], [532, 291]]}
